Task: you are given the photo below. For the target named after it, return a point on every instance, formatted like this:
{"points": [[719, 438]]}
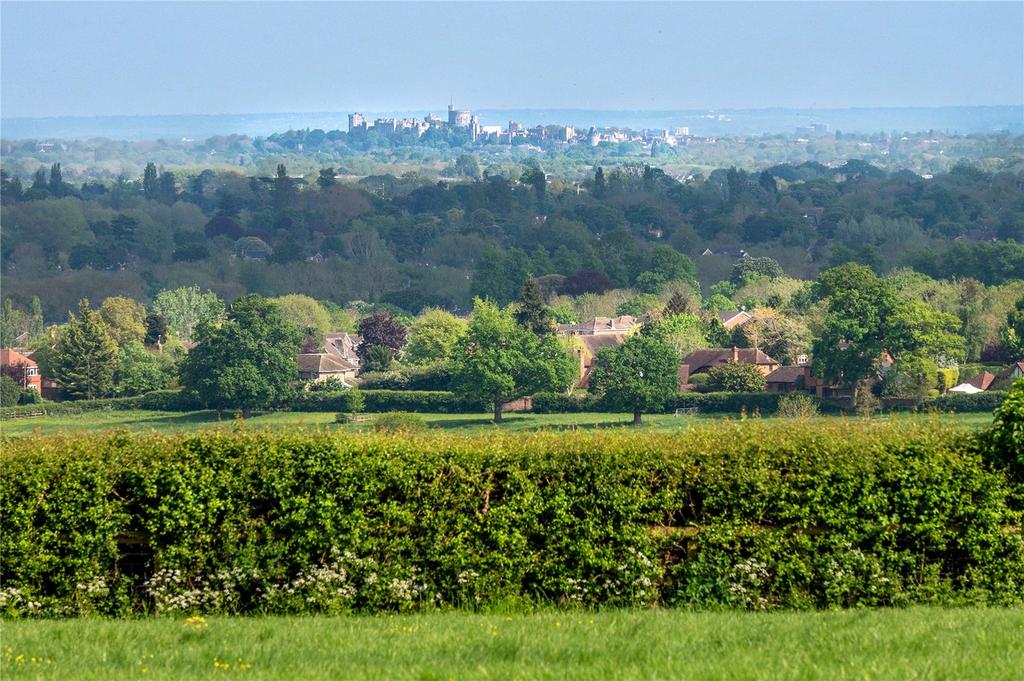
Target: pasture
{"points": [[915, 643], [141, 421]]}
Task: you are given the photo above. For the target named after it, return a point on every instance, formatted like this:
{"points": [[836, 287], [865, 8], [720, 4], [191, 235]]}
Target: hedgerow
{"points": [[754, 515]]}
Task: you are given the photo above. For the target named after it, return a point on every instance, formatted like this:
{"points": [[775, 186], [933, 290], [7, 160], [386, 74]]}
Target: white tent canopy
{"points": [[966, 388]]}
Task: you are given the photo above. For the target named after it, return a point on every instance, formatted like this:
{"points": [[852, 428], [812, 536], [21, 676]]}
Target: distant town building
{"points": [[356, 123]]}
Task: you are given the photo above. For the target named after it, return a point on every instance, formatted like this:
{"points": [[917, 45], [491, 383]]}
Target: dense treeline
{"points": [[413, 242], [863, 516]]}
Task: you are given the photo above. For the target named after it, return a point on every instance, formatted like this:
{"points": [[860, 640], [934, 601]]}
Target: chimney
{"points": [[735, 354]]}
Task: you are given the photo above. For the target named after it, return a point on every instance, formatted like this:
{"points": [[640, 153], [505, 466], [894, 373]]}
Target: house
{"points": [[601, 325], [733, 318], [824, 388], [788, 379], [700, 361], [343, 345], [321, 366], [587, 349], [1008, 375], [979, 383], [734, 253], [22, 369]]}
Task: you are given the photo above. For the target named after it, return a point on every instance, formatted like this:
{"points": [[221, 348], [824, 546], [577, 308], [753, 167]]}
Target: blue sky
{"points": [[88, 58]]}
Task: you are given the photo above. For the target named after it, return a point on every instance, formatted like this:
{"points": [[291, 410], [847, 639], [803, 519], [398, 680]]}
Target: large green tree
{"points": [[531, 311], [185, 308], [498, 360], [641, 375], [140, 371], [433, 337], [736, 377], [307, 314], [246, 362], [125, 318], [150, 182], [86, 355], [866, 318], [1013, 333]]}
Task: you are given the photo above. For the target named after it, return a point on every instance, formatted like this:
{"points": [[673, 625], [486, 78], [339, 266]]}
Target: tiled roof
{"points": [[982, 381], [701, 359], [323, 363], [790, 374], [595, 343], [10, 357]]}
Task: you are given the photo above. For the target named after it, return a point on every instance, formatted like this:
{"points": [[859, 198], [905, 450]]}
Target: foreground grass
{"points": [[138, 420], [918, 643]]}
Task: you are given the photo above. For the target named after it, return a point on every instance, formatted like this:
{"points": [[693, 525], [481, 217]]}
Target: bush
{"points": [[350, 400], [1004, 442], [434, 377], [736, 377], [758, 515], [957, 402], [47, 408], [796, 405], [422, 401], [30, 396], [10, 391], [728, 403], [168, 400], [328, 385], [947, 378], [399, 422]]}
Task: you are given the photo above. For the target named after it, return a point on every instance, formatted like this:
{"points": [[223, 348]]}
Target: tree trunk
{"points": [[246, 412], [636, 419], [497, 412], [220, 414]]}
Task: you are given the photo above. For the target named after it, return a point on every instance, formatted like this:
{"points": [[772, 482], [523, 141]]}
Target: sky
{"points": [[96, 59]]}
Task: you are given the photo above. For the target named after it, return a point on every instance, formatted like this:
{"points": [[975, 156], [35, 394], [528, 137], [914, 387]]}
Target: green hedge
{"points": [[953, 402], [48, 408], [757, 515]]}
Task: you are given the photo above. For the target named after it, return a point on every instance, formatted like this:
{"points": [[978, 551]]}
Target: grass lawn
{"points": [[177, 421], [919, 643]]}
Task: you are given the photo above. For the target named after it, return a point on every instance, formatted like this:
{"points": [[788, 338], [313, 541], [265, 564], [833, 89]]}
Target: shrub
{"points": [[865, 402], [328, 385], [423, 401], [433, 377], [10, 391], [797, 405], [1004, 442], [957, 402], [168, 400], [736, 377], [947, 378], [728, 403], [399, 422], [758, 515], [47, 408]]}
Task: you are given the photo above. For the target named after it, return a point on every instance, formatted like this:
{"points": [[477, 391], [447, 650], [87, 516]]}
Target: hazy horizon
{"points": [[159, 59]]}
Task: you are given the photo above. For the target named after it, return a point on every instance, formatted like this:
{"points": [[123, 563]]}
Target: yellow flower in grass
{"points": [[196, 623]]}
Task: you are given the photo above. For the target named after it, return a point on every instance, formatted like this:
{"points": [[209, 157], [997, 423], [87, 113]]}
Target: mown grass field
{"points": [[138, 420], [918, 643]]}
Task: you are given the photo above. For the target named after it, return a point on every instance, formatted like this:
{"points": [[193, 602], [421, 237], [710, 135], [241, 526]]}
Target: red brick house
{"points": [[23, 370]]}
